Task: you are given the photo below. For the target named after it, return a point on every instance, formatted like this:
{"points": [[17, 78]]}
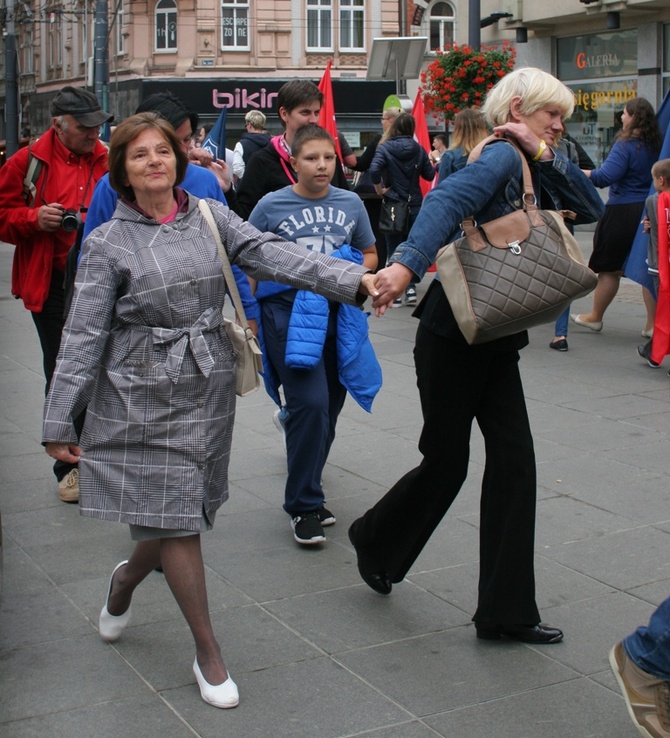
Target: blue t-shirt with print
{"points": [[319, 224]]}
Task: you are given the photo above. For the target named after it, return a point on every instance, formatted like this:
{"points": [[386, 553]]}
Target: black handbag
{"points": [[394, 217]]}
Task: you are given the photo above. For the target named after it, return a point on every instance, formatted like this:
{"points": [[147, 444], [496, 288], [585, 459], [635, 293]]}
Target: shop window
{"points": [[352, 23], [319, 25], [166, 25], [235, 24], [601, 70], [442, 20]]}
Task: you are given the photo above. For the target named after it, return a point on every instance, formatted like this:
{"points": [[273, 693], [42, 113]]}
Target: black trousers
{"points": [[49, 324], [458, 384]]}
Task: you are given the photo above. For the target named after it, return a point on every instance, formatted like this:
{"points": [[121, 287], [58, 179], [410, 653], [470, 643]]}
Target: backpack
{"points": [[29, 181]]}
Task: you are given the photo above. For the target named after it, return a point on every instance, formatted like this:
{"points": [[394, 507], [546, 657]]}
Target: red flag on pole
{"points": [[422, 137], [327, 114], [660, 342]]}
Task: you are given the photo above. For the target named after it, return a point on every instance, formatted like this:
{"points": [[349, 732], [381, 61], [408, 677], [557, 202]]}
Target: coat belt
{"points": [[180, 338]]}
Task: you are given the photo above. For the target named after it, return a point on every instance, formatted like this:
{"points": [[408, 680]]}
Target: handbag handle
{"points": [[468, 225], [228, 277]]}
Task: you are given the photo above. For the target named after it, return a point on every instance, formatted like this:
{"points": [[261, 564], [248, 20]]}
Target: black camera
{"points": [[71, 220]]}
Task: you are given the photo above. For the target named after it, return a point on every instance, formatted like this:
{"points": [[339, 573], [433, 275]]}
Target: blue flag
{"points": [[215, 142], [635, 267]]}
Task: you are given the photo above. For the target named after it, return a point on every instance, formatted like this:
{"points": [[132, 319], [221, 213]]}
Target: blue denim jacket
{"points": [[489, 188]]}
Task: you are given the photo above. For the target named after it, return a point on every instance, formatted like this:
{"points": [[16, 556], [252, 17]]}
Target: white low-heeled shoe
{"points": [[111, 626], [593, 325], [224, 695]]}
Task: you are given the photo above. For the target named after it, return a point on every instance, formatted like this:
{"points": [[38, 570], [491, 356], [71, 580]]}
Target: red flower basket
{"points": [[460, 77]]}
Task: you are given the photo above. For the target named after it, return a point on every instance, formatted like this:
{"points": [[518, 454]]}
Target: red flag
{"points": [[422, 137], [660, 342], [327, 113]]}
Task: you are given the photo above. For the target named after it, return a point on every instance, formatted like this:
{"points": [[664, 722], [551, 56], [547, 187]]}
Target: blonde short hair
{"points": [[536, 88], [256, 119]]}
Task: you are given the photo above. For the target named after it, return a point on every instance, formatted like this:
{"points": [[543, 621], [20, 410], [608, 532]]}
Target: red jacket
{"points": [[37, 250]]}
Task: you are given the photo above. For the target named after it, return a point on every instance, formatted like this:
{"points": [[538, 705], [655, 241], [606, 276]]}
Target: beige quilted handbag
{"points": [[514, 272]]}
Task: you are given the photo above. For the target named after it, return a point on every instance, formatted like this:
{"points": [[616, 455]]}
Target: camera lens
{"points": [[70, 221]]}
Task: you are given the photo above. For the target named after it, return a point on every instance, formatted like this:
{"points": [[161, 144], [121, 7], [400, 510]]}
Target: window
{"points": [[85, 23], [442, 19], [319, 25], [166, 25], [235, 24], [28, 52], [118, 28], [352, 22], [54, 46]]}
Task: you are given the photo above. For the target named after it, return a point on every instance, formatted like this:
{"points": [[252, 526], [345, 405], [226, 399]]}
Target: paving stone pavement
{"points": [[314, 651]]}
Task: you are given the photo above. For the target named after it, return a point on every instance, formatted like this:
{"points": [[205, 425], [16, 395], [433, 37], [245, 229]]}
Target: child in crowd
{"points": [[313, 349], [660, 173]]}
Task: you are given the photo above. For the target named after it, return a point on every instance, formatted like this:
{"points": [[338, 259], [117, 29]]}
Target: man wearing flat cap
{"points": [[45, 190]]}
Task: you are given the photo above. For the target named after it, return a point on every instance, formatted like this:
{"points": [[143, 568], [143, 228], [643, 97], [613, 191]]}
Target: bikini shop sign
{"points": [[243, 99]]}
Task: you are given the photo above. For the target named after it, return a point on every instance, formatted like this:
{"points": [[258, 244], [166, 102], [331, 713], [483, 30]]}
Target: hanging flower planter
{"points": [[460, 77]]}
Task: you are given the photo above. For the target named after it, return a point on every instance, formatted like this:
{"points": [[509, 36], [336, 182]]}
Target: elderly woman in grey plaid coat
{"points": [[145, 351]]}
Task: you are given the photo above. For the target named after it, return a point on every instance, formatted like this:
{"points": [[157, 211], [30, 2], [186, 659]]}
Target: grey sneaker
{"points": [[307, 529], [647, 697], [279, 419]]}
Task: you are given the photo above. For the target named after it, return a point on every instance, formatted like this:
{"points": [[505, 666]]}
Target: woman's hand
{"points": [[367, 285], [529, 141], [390, 283], [67, 452]]}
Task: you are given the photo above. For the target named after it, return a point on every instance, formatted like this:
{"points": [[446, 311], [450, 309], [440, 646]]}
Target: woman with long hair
{"points": [[364, 187], [627, 172], [469, 129], [395, 172]]}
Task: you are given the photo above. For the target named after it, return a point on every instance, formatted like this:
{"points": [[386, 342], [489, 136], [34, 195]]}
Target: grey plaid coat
{"points": [[144, 350]]}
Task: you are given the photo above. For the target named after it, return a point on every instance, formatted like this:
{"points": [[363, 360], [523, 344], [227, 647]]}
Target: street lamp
{"points": [[494, 18]]}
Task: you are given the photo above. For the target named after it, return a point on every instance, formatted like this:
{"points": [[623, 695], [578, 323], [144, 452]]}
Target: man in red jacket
{"points": [[45, 190]]}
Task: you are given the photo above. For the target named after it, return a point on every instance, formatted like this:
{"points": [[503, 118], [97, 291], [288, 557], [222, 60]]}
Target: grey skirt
{"points": [[147, 533]]}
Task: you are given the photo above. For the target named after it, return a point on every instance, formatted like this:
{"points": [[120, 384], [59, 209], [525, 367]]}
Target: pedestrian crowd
{"points": [[140, 371]]}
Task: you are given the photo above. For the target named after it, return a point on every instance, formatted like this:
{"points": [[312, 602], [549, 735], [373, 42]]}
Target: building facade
{"points": [[606, 51], [238, 52]]}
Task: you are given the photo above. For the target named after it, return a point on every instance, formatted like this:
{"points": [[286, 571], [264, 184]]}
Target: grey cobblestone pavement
{"points": [[314, 651]]}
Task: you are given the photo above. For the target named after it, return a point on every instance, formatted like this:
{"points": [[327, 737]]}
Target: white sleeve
{"points": [[238, 160]]}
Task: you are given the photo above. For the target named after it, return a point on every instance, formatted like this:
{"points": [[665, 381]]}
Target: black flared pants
{"points": [[458, 384]]}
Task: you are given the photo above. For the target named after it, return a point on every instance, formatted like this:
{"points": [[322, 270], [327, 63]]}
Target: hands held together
{"points": [[385, 286]]}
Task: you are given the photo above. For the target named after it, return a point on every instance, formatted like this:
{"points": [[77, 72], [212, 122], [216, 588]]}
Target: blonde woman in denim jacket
{"points": [[459, 383]]}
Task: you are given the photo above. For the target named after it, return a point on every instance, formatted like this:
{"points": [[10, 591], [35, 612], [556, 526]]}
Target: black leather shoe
{"points": [[525, 633], [369, 571]]}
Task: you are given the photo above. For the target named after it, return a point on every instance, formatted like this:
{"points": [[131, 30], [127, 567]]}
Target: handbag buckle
{"points": [[514, 247]]}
